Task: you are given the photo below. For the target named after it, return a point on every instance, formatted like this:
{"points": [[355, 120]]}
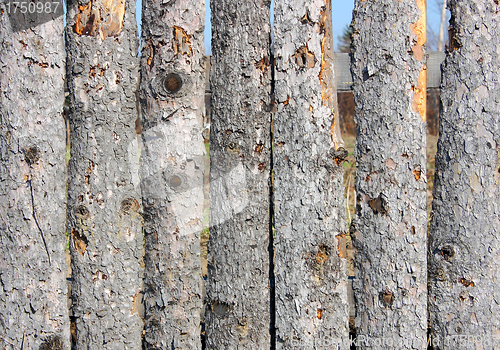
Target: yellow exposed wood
{"points": [[305, 58], [419, 103], [103, 18], [181, 43], [326, 74]]}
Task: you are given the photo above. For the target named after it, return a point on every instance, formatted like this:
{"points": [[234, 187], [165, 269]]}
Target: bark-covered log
{"points": [[310, 257], [172, 164], [33, 300], [389, 228], [464, 242], [238, 285], [103, 181]]}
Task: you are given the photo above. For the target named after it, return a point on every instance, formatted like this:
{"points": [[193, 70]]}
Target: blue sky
{"points": [[341, 16]]}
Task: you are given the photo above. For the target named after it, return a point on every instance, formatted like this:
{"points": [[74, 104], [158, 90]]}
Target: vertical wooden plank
{"points": [[238, 286], [464, 240], [389, 229], [33, 299], [103, 183], [172, 100], [310, 259], [172, 164]]}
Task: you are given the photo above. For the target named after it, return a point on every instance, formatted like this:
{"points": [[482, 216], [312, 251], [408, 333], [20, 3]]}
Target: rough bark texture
{"points": [[172, 164], [238, 286], [389, 228], [464, 269], [33, 300], [310, 257], [103, 182]]}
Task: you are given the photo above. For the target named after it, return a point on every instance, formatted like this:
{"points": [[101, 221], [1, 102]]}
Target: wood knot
{"points": [[52, 343], [467, 283], [32, 155], [304, 58], [221, 309], [448, 252], [172, 83], [379, 205], [82, 211], [440, 274], [80, 241], [175, 181], [339, 155], [386, 297], [306, 19], [322, 254], [129, 204]]}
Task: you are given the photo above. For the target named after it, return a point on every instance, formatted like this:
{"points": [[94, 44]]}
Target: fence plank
{"points": [[33, 300], [238, 285], [343, 71], [434, 62], [389, 229], [103, 183], [310, 264], [172, 164], [464, 242]]}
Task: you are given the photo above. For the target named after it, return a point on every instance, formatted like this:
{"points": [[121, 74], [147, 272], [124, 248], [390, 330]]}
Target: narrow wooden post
{"points": [[172, 164], [33, 300], [238, 286], [310, 259], [464, 240], [103, 182], [389, 229]]}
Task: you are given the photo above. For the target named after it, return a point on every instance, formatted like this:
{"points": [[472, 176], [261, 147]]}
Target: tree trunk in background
{"points": [[310, 256], [239, 305], [389, 228], [464, 269], [103, 183], [33, 300], [172, 164], [440, 45]]}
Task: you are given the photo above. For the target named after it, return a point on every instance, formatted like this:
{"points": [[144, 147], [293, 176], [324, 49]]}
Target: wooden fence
{"points": [[277, 269]]}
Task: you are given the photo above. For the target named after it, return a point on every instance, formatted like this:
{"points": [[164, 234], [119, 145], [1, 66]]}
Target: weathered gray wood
{"points": [[33, 300], [310, 260], [434, 61], [172, 164], [103, 182], [238, 285], [389, 229], [343, 73], [464, 258], [344, 76]]}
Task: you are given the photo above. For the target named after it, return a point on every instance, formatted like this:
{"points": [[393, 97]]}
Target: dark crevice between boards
{"points": [[272, 305], [272, 285]]}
